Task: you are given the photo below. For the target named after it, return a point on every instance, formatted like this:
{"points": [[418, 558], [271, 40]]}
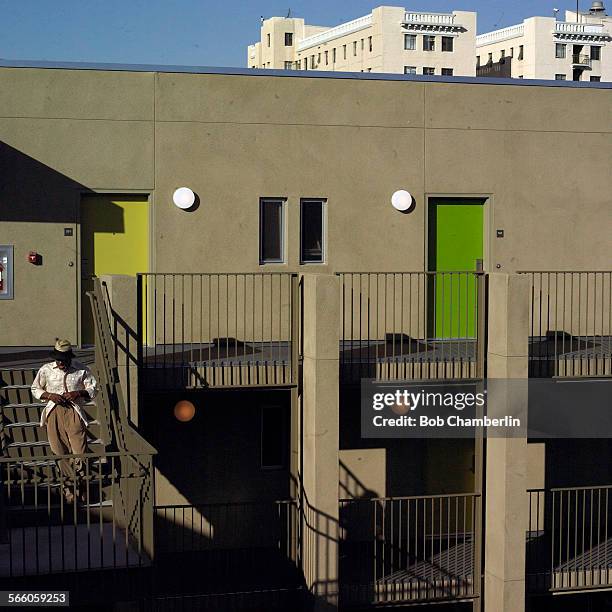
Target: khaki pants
{"points": [[67, 434]]}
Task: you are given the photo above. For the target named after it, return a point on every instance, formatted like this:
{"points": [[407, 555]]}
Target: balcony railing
{"points": [[410, 325], [570, 324], [410, 549], [579, 28], [350, 27], [217, 330], [569, 541], [514, 31], [579, 59], [430, 18]]}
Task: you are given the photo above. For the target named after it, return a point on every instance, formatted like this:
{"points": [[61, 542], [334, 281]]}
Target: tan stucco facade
{"points": [[234, 139]]}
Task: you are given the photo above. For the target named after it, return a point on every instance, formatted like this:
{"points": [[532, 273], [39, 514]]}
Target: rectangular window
{"points": [[503, 54], [595, 53], [447, 72], [344, 49], [410, 42], [595, 79], [268, 40], [559, 50], [429, 43], [478, 61], [410, 70], [271, 230], [326, 58], [429, 71], [288, 65], [490, 58], [560, 77], [362, 44], [355, 47], [305, 61], [288, 39], [318, 58], [370, 43], [447, 43], [511, 51], [520, 55], [312, 61], [334, 55], [273, 437], [312, 231]]}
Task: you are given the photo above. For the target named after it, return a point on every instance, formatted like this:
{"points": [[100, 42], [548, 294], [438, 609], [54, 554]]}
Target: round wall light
{"points": [[184, 411], [183, 197], [402, 200]]}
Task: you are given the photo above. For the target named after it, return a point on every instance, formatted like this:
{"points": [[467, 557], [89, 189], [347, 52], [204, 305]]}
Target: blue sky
{"points": [[194, 32]]}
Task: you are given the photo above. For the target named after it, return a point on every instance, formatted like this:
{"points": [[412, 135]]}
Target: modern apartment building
{"points": [[226, 245], [577, 49], [389, 39]]}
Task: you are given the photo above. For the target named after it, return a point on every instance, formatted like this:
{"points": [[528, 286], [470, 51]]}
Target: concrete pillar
{"points": [[121, 292], [506, 515], [319, 427]]}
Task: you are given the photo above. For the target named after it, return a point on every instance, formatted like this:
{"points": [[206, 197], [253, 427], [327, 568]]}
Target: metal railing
{"points": [[569, 544], [218, 330], [102, 529], [238, 546], [570, 324], [410, 549], [580, 59], [409, 325]]}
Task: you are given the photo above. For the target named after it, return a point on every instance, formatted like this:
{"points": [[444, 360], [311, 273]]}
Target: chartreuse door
{"points": [[455, 244], [114, 240]]}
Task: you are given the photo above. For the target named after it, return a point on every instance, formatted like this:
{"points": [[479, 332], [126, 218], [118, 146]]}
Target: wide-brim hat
{"points": [[62, 351]]}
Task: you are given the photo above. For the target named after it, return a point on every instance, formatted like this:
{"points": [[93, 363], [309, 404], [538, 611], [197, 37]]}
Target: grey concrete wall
{"points": [[539, 154]]}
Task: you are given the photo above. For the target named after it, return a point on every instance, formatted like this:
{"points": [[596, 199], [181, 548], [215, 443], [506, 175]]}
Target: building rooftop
{"points": [[310, 74]]}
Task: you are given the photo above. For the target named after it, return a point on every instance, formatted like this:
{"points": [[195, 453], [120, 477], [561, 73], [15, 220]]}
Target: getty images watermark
{"points": [[493, 408]]}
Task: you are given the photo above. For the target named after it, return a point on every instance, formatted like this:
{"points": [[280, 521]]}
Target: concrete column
{"points": [[121, 291], [506, 515], [319, 421]]}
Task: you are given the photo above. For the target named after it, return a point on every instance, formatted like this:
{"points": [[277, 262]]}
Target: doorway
{"points": [[114, 240]]}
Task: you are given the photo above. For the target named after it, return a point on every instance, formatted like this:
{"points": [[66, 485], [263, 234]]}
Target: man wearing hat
{"points": [[66, 385]]}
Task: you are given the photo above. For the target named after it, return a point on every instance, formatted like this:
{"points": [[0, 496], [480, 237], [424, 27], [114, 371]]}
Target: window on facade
{"points": [[520, 76], [511, 51], [318, 59], [560, 77], [312, 61], [520, 53], [595, 53], [427, 70], [559, 50], [355, 47], [334, 55], [489, 58], [268, 40], [288, 65], [311, 231], [429, 43], [305, 61], [595, 79], [273, 437], [478, 61], [503, 54], [344, 50], [362, 44], [447, 72], [410, 70], [410, 42], [447, 43], [326, 58], [271, 230], [288, 39], [370, 44]]}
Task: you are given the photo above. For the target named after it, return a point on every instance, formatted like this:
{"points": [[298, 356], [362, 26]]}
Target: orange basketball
{"points": [[184, 411]]}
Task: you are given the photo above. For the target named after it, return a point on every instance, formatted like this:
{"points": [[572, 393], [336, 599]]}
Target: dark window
{"points": [[334, 55], [447, 43], [326, 58], [559, 50], [273, 437], [410, 42], [410, 70], [595, 53], [270, 231], [288, 39], [478, 61], [520, 53], [447, 72], [428, 70], [311, 231], [560, 77], [429, 43], [595, 79], [370, 43], [268, 40], [355, 48]]}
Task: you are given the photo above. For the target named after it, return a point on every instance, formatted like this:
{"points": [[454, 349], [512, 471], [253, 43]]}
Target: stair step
{"points": [[35, 405], [45, 443], [49, 462], [37, 424]]}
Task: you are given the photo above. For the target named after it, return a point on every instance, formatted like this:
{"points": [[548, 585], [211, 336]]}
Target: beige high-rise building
{"points": [[389, 39], [577, 49]]}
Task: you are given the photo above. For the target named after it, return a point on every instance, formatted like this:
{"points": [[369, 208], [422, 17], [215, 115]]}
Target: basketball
{"points": [[184, 411]]}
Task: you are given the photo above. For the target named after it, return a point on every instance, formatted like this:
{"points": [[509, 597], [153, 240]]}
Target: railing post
{"points": [[481, 324], [139, 322], [295, 329]]}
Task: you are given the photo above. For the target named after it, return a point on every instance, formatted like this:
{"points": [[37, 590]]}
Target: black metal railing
{"points": [[410, 549], [226, 329], [399, 325], [570, 324], [569, 540]]}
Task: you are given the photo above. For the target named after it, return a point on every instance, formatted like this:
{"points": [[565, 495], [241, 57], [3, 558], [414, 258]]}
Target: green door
{"points": [[455, 244]]}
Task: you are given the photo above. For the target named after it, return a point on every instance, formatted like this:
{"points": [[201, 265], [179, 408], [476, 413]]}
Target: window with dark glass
{"points": [[429, 43], [559, 50], [447, 43], [410, 42], [288, 39], [271, 230], [447, 72], [595, 79], [428, 70], [273, 437], [595, 53], [311, 231]]}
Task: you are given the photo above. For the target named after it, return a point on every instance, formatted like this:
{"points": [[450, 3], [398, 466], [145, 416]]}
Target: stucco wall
{"points": [[540, 154]]}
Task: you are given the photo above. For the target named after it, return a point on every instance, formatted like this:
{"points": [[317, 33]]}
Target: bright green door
{"points": [[455, 244], [114, 240]]}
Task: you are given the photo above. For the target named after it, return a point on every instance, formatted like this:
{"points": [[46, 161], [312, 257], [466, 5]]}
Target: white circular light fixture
{"points": [[183, 197], [402, 200]]}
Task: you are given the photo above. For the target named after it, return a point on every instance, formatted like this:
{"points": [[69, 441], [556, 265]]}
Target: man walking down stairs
{"points": [[66, 385]]}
